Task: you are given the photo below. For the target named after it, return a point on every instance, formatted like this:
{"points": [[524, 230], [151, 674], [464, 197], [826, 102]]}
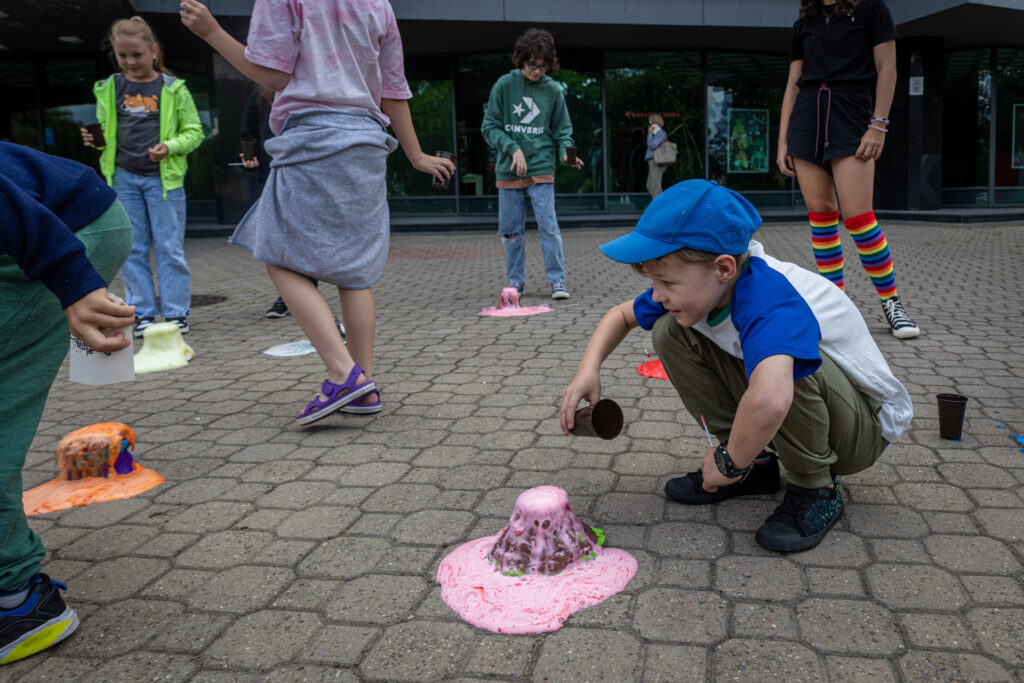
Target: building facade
{"points": [[714, 69]]}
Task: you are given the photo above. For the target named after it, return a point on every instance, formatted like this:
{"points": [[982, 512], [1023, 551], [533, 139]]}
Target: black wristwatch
{"points": [[725, 464]]}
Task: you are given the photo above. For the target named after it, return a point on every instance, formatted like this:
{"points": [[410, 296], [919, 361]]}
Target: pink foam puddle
{"points": [[534, 603], [653, 369], [496, 312], [540, 569]]}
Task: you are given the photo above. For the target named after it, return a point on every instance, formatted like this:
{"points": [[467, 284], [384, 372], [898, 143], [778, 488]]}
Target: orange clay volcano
{"points": [[95, 464]]}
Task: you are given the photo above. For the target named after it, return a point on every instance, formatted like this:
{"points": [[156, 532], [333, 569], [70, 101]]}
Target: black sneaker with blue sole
{"points": [[37, 623]]}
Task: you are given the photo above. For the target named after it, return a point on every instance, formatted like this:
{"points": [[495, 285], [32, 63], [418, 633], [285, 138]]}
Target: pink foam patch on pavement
{"points": [[496, 312], [653, 369], [534, 574]]}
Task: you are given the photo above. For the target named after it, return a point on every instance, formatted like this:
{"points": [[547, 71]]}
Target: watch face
{"points": [[721, 461]]}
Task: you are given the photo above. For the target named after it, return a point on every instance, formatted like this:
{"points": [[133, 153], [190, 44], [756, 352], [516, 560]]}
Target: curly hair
{"points": [[812, 8], [535, 42]]}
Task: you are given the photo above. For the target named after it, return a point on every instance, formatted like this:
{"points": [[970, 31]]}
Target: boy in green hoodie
{"points": [[527, 123]]}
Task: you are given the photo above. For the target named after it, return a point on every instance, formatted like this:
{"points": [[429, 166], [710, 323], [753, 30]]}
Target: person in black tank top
{"points": [[832, 128]]}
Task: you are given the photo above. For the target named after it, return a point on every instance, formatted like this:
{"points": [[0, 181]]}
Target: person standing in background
{"points": [[656, 137]]}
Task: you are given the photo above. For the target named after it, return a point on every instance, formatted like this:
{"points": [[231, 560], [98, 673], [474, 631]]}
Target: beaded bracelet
{"points": [[878, 128], [880, 119]]}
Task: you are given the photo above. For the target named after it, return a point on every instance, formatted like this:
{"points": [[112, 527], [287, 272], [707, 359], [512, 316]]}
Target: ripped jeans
{"points": [[512, 228]]}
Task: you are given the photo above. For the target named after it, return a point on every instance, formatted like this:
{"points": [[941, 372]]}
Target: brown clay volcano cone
{"points": [[543, 535], [98, 450]]}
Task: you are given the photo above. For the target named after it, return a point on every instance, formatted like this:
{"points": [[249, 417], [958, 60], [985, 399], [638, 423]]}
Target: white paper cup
{"points": [[89, 366]]}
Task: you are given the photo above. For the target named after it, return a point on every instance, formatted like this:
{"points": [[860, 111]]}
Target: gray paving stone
{"points": [[937, 631], [759, 660], [885, 521], [626, 508], [376, 599], [502, 655], [97, 584], [311, 674], [951, 666], [994, 590], [762, 578], [419, 651], [848, 627], [974, 554], [686, 539], [915, 587], [765, 621], [240, 589], [679, 616], [344, 557], [669, 663], [340, 645], [263, 639], [572, 654], [942, 497], [206, 517], [1007, 525], [226, 549], [433, 527], [841, 582], [860, 669], [1000, 632], [317, 522], [145, 666]]}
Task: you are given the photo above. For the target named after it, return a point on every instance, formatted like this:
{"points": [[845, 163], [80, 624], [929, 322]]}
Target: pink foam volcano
{"points": [[540, 569], [509, 306]]}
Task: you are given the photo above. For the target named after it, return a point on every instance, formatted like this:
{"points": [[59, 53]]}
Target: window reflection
{"points": [[1009, 177], [640, 83], [966, 104]]}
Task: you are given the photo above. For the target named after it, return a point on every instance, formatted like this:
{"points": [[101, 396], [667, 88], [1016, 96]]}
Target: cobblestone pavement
{"points": [[279, 553]]}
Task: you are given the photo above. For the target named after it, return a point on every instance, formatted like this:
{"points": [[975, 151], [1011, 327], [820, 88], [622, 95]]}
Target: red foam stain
{"points": [[653, 369]]}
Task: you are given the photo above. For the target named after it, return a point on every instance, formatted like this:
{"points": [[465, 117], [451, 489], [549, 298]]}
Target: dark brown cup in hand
{"points": [[570, 156], [437, 183], [952, 408], [96, 131], [248, 149], [602, 419]]}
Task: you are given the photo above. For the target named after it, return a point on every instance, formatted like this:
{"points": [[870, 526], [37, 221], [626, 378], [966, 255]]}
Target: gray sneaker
{"points": [[558, 291]]}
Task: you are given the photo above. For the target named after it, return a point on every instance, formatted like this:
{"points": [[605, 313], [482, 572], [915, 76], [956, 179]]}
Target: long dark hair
{"points": [[812, 8]]}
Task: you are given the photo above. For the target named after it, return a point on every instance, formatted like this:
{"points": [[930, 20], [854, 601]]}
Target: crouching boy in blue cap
{"points": [[763, 349]]}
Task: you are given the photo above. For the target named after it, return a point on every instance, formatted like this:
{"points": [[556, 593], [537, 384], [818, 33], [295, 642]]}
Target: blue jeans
{"points": [[161, 223], [512, 228]]}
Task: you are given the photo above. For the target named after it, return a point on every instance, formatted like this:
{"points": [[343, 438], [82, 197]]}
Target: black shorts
{"points": [[828, 124]]}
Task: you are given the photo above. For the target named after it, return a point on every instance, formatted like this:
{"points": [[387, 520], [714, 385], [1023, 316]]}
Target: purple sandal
{"points": [[338, 396], [363, 408]]}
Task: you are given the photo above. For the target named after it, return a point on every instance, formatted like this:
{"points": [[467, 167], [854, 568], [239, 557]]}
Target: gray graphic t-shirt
{"points": [[138, 124]]}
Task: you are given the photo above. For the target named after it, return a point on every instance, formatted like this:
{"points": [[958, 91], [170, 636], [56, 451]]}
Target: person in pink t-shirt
{"points": [[336, 66]]}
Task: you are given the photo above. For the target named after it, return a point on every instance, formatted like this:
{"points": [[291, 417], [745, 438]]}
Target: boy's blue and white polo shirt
{"points": [[780, 308]]}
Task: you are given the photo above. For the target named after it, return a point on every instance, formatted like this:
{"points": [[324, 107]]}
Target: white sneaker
{"points": [[558, 291], [902, 326]]}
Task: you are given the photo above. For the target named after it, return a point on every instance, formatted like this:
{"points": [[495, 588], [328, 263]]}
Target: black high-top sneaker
{"points": [[763, 477], [803, 519], [902, 326]]}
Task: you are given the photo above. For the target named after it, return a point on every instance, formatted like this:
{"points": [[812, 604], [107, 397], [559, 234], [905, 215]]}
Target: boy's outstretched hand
{"points": [[436, 166], [95, 312], [197, 18], [585, 385]]}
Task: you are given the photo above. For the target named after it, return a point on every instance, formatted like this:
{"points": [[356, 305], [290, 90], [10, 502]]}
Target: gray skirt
{"points": [[323, 211]]}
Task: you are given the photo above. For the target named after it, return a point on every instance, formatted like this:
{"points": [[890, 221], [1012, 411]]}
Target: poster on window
{"points": [[1018, 136], [748, 141]]}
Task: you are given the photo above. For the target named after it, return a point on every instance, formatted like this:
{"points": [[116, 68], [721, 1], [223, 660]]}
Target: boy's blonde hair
{"points": [[682, 256], [137, 27]]}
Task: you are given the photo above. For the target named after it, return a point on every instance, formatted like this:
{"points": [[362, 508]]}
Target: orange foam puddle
{"points": [[58, 494], [653, 369]]}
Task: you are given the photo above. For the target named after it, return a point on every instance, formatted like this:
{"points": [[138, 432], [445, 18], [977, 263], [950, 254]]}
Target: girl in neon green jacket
{"points": [[150, 124]]}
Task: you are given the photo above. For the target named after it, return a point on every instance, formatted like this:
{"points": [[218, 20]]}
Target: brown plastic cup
{"points": [[570, 156], [96, 131], [602, 419], [437, 183], [248, 148], [951, 415]]}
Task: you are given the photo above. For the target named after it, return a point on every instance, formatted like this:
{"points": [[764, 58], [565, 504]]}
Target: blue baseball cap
{"points": [[693, 214]]}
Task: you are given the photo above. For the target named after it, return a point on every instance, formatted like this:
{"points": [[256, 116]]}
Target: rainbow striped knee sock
{"points": [[874, 253], [828, 251]]}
